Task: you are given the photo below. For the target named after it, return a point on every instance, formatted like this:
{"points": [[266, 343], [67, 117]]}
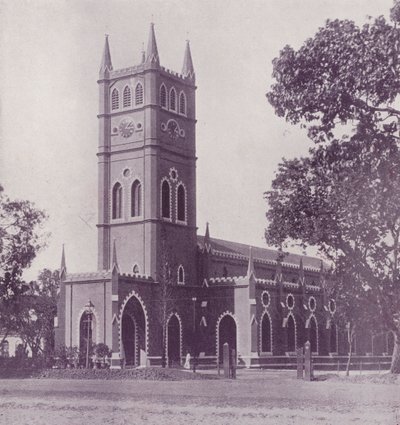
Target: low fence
{"points": [[328, 363]]}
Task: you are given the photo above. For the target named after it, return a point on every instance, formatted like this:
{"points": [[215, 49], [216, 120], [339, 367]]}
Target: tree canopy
{"points": [[343, 75], [342, 86], [20, 240]]}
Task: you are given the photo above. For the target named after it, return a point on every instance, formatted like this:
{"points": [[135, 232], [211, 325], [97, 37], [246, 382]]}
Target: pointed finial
{"points": [[207, 234], [63, 268], [250, 267], [114, 258], [143, 54], [152, 51], [207, 243], [106, 64], [187, 68]]}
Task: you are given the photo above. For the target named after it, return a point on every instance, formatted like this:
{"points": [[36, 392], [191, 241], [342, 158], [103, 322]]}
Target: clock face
{"points": [[126, 127], [173, 130]]}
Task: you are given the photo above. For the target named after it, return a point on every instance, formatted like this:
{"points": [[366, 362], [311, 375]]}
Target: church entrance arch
{"points": [[226, 334], [87, 327], [133, 333], [174, 341]]}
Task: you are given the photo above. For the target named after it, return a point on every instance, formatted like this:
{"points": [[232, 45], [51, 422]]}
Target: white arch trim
{"points": [[96, 336], [226, 313], [165, 179], [146, 320], [178, 185], [180, 336]]}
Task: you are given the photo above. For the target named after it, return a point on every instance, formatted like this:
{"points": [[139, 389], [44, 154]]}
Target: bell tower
{"points": [[147, 166]]}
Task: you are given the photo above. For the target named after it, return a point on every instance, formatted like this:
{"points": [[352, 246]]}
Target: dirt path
{"points": [[255, 398]]}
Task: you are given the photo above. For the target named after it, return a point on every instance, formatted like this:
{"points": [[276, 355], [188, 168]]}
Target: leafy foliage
{"points": [[20, 241], [342, 85], [343, 75]]}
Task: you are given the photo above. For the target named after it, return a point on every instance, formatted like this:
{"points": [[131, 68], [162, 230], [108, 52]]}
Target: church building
{"points": [[160, 289]]}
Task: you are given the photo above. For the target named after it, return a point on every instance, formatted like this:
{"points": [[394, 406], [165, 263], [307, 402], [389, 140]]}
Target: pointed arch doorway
{"points": [[174, 341], [226, 334], [133, 333]]}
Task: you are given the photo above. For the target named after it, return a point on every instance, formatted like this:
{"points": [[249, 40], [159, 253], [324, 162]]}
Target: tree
{"points": [[20, 241], [342, 85], [343, 76], [35, 312], [344, 199]]}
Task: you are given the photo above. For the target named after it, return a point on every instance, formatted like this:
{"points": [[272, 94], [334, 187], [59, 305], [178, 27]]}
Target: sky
{"points": [[50, 53]]}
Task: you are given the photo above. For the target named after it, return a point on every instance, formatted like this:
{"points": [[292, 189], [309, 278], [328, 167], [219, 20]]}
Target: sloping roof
{"points": [[258, 252]]}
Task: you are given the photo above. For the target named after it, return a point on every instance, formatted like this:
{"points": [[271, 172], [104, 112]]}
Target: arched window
{"points": [[163, 96], [181, 203], [165, 200], [266, 334], [182, 103], [313, 335], [117, 201], [114, 99], [139, 94], [172, 99], [181, 275], [291, 334], [136, 199], [135, 269], [127, 97]]}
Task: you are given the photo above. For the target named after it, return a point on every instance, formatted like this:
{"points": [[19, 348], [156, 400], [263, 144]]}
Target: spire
{"points": [[207, 242], [301, 272], [143, 54], [63, 268], [114, 258], [152, 52], [250, 267], [207, 235], [106, 64], [187, 68]]}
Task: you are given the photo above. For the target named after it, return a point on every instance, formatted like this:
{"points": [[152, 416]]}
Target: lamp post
{"points": [[89, 311]]}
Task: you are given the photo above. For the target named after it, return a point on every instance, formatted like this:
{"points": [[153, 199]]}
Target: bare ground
{"points": [[255, 398]]}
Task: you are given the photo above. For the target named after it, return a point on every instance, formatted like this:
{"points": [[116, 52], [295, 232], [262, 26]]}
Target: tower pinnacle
{"points": [[152, 52], [106, 64], [114, 265], [250, 267], [187, 68], [63, 268]]}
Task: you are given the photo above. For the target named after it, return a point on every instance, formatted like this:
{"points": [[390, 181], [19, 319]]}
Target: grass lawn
{"points": [[256, 397]]}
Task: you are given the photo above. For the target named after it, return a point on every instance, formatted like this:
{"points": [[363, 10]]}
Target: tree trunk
{"points": [[350, 336], [163, 351], [395, 366]]}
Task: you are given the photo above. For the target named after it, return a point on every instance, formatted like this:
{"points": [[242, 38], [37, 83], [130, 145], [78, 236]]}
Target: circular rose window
{"points": [[126, 172], [265, 299], [290, 301], [312, 303]]}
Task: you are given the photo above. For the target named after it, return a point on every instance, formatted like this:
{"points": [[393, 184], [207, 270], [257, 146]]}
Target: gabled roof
{"points": [[258, 253]]}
